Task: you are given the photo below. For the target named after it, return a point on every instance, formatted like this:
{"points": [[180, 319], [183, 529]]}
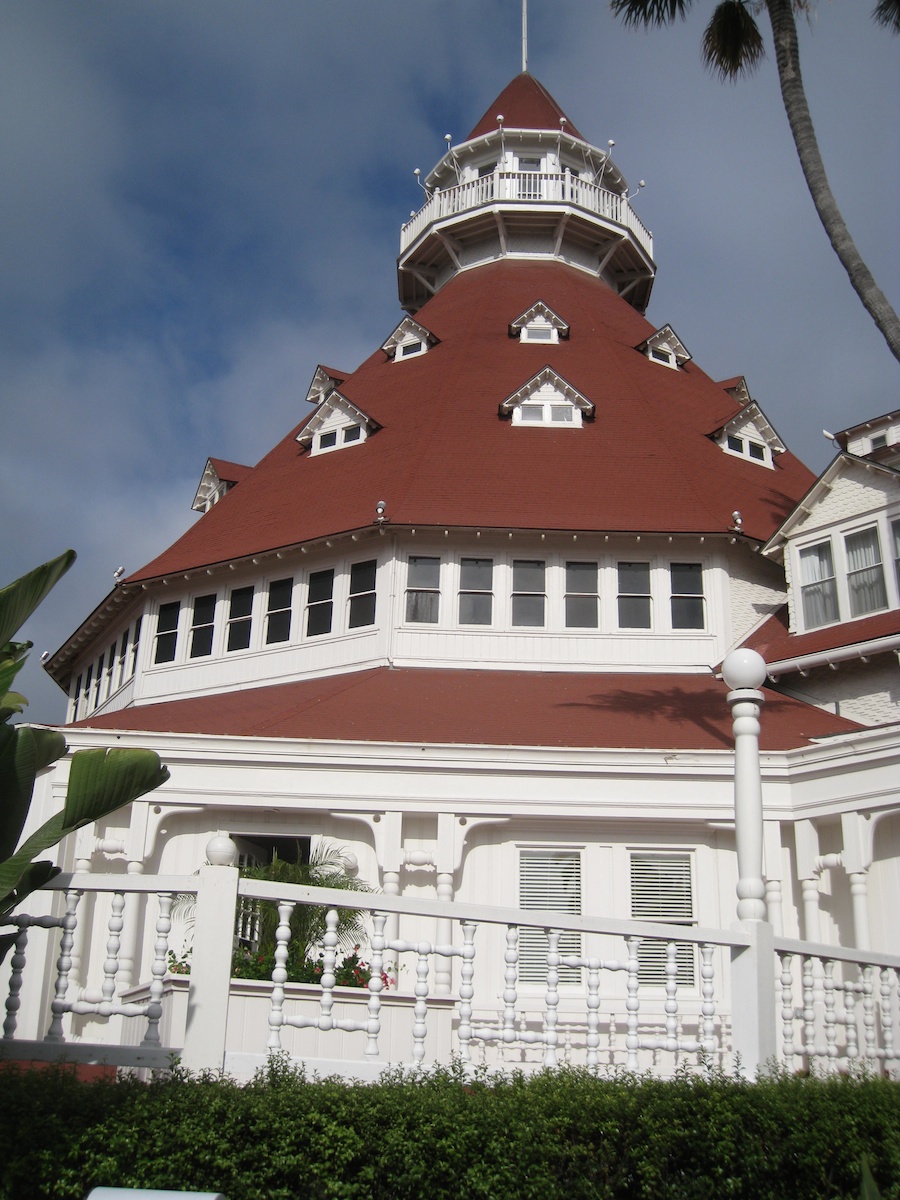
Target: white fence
{"points": [[527, 187], [748, 999]]}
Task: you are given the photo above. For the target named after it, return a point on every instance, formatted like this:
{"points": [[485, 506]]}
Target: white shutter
{"points": [[661, 891], [550, 880]]}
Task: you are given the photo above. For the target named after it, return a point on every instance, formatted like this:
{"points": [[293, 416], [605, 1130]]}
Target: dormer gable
{"points": [[539, 324], [878, 438], [547, 399], [325, 380], [336, 424], [219, 477], [749, 435], [665, 347], [409, 340]]}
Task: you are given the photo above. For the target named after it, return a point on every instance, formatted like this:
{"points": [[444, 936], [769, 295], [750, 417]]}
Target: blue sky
{"points": [[202, 201]]}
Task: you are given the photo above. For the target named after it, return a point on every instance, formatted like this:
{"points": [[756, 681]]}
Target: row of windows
{"points": [[844, 577], [535, 584], [661, 890], [112, 669], [274, 605]]}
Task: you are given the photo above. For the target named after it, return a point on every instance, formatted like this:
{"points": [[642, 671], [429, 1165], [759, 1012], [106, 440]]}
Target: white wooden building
{"points": [[465, 620]]}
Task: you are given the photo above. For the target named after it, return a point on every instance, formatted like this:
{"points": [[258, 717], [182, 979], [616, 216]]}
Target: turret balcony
{"points": [[525, 213]]}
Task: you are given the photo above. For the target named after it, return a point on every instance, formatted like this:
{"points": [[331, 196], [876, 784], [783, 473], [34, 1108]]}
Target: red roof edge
{"points": [[524, 104]]}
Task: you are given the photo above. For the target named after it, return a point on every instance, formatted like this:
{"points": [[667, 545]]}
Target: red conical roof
{"points": [[524, 104]]}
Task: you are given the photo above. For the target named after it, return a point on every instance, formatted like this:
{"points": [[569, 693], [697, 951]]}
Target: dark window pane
{"points": [[318, 618], [201, 641], [581, 577], [756, 451], [168, 616], [280, 591], [238, 635], [476, 574], [352, 434], [735, 443], [424, 572], [634, 612], [528, 610], [328, 439], [205, 610], [279, 627], [165, 648], [241, 602], [687, 579], [362, 577], [362, 610], [166, 631], [321, 585], [687, 612], [634, 578], [528, 575], [475, 608], [581, 612], [423, 607]]}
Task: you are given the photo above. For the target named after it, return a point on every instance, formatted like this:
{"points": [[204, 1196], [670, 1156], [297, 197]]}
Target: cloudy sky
{"points": [[201, 200]]}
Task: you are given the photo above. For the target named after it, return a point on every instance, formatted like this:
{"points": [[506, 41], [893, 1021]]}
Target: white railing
{"points": [[832, 1008], [527, 187]]}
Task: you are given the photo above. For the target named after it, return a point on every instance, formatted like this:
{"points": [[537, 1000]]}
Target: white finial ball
{"points": [[744, 668], [351, 864], [221, 851]]}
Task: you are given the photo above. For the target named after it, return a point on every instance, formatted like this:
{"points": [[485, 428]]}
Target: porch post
{"points": [[207, 1008], [753, 966]]}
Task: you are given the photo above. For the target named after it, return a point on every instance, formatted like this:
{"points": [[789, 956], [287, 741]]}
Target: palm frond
{"points": [[732, 44], [887, 13], [650, 12]]}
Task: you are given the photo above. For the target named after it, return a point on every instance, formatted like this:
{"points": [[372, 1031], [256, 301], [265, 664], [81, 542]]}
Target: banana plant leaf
{"points": [[23, 753], [19, 599]]}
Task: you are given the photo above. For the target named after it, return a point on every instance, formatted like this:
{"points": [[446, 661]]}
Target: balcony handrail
{"points": [[527, 187]]}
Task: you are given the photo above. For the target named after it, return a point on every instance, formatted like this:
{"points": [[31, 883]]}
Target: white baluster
{"points": [[128, 946], [13, 999], [671, 996], [466, 990], [787, 1008], [279, 976], [850, 991], [329, 943], [887, 1023], [809, 1011], [632, 1004], [612, 1034], [421, 1009], [63, 966], [510, 978], [443, 967], [830, 1020], [158, 970], [111, 963], [708, 995], [552, 998], [593, 1012], [869, 1014], [376, 983]]}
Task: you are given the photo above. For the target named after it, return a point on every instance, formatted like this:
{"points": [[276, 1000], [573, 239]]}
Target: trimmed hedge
{"points": [[445, 1136]]}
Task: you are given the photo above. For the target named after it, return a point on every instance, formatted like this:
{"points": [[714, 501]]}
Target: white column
{"points": [[806, 844], [773, 874], [744, 671], [859, 846], [207, 1009]]}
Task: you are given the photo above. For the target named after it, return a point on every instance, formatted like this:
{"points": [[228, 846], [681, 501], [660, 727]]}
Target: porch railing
{"points": [[755, 999], [527, 187]]}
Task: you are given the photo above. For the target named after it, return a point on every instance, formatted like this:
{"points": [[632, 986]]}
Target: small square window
{"points": [[562, 413], [532, 412], [327, 440], [755, 450], [735, 443], [408, 349], [353, 433]]}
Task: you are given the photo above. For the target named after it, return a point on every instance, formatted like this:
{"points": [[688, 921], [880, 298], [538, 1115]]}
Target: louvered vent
{"points": [[549, 880], [661, 891]]}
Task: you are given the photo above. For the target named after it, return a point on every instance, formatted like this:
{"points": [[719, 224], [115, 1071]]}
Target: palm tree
{"points": [[732, 46]]}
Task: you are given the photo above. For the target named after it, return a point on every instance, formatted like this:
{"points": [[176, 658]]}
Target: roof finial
{"points": [[524, 36]]}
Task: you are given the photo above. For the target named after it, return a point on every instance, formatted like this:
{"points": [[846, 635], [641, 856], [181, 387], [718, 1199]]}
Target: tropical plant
{"points": [[732, 46], [326, 868], [100, 781]]}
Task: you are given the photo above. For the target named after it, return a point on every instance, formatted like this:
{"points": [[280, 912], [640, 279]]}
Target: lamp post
{"points": [[745, 671]]}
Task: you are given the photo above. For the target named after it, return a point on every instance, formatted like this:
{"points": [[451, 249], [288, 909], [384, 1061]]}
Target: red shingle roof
{"points": [[774, 643], [444, 457], [497, 708], [229, 472], [524, 104]]}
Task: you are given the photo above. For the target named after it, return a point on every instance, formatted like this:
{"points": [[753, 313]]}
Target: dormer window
{"points": [[337, 423], [547, 399], [666, 348], [539, 324], [747, 448], [409, 340], [749, 435]]}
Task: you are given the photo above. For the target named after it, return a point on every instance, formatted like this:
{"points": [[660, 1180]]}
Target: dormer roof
{"points": [[547, 380], [324, 381], [666, 339], [539, 311], [219, 476], [335, 403], [524, 104], [408, 330], [752, 414]]}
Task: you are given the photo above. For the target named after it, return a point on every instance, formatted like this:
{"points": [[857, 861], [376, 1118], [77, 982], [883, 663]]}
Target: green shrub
{"points": [[445, 1135]]}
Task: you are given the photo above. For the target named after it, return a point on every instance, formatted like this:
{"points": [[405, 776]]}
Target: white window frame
{"points": [[884, 524], [547, 407], [549, 895], [744, 452], [653, 902]]}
